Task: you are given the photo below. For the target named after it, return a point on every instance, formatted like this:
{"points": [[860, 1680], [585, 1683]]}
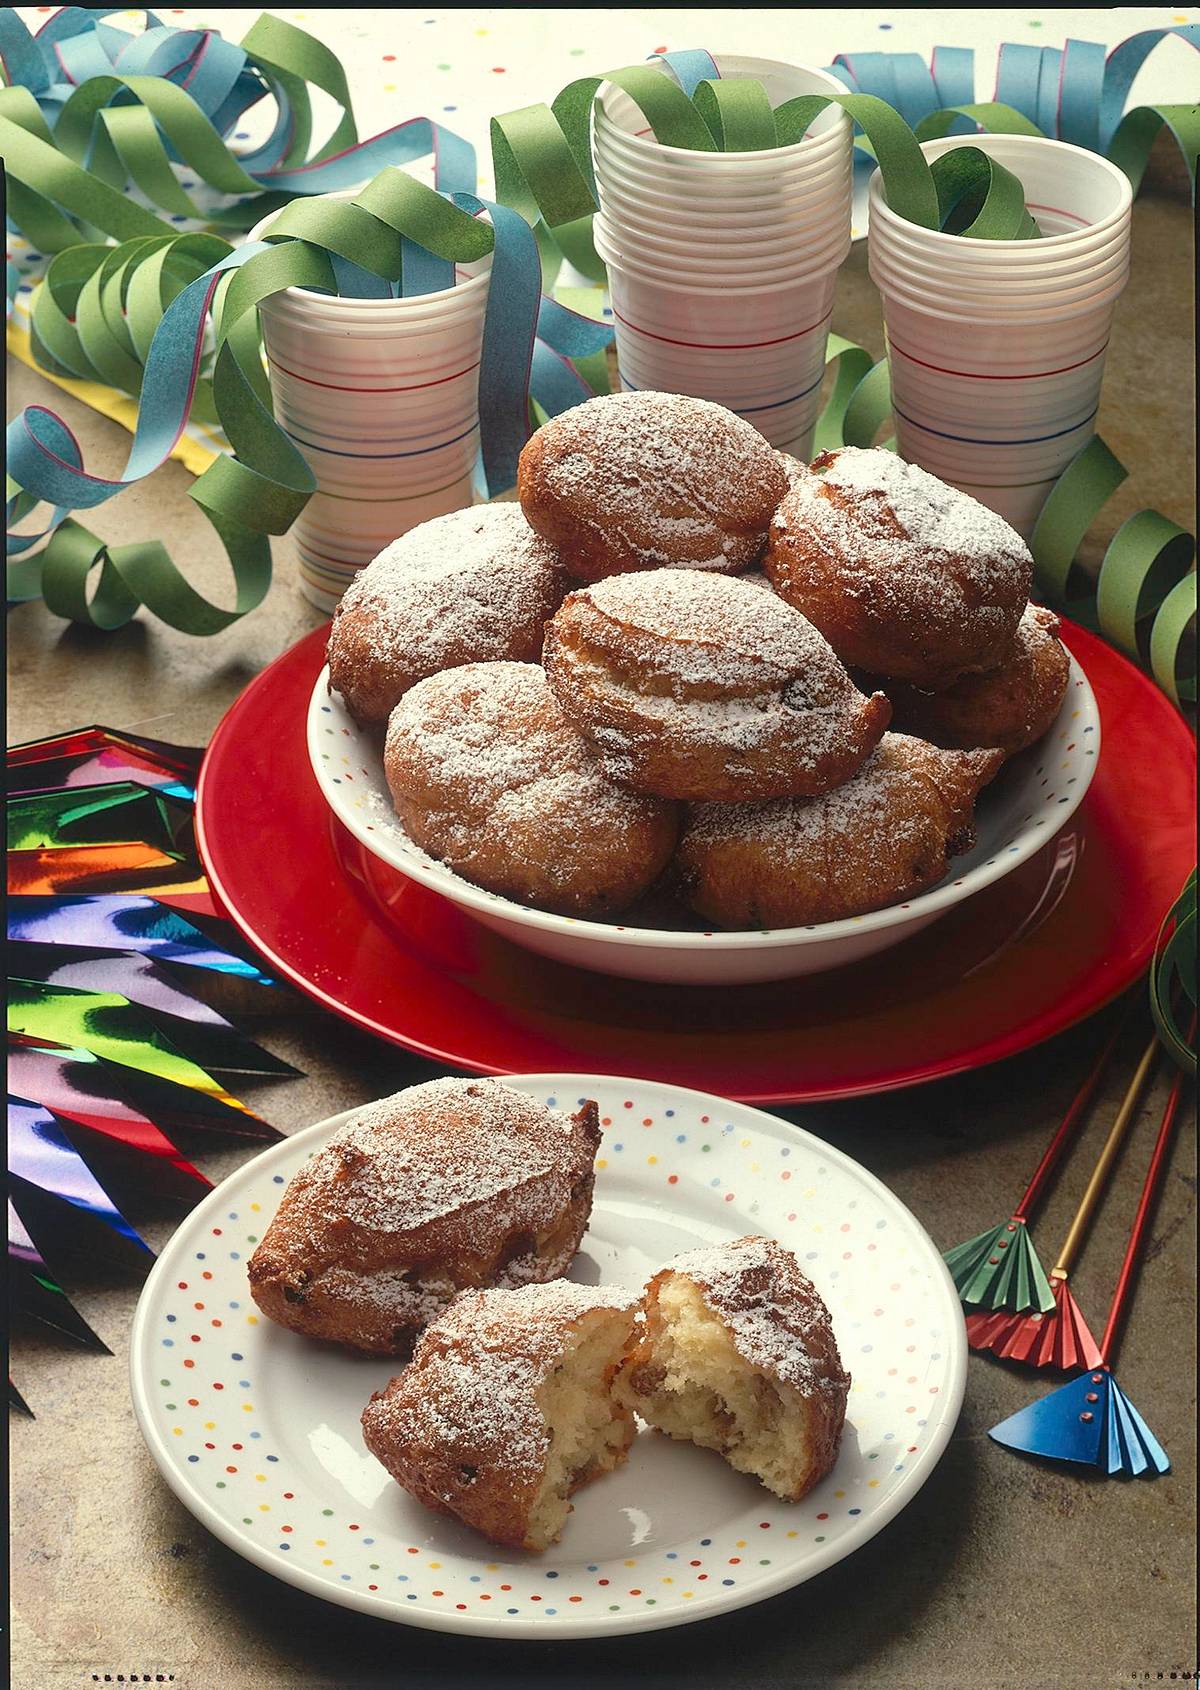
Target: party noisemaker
{"points": [[1059, 1337], [1091, 1422], [999, 1269]]}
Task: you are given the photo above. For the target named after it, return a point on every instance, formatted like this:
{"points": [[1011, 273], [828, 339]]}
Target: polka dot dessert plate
{"points": [[256, 1429]]}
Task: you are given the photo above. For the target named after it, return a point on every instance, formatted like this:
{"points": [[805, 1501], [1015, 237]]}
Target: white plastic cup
{"points": [[1040, 262], [1076, 196], [1058, 304], [381, 396], [720, 275], [996, 348], [822, 216], [727, 222], [759, 352]]}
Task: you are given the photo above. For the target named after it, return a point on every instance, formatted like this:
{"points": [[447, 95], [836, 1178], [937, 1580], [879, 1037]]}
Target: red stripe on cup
{"points": [[730, 346], [1071, 216], [972, 375], [337, 387]]}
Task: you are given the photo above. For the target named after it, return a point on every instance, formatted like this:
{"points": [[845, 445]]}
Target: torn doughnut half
{"points": [[738, 1355], [507, 1408]]}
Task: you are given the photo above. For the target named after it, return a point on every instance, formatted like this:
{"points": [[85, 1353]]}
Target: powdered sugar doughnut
{"points": [[1011, 706], [705, 687], [904, 576], [488, 775], [650, 480], [470, 587], [738, 1354], [448, 1185], [882, 837], [507, 1408]]}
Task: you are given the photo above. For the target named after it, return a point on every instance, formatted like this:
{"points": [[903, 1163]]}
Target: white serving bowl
{"points": [[1024, 807]]}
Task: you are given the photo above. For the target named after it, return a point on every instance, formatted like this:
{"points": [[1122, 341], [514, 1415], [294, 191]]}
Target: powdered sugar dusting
{"points": [[664, 478], [461, 585], [933, 517], [717, 628], [436, 1148], [775, 1313], [892, 800], [493, 737], [473, 1383], [704, 662]]}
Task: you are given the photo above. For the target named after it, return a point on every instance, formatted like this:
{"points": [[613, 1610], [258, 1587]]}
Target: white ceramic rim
{"points": [[743, 67], [934, 1447], [1001, 249], [941, 897]]}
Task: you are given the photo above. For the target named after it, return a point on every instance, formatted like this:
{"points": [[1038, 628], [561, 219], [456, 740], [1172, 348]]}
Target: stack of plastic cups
{"points": [[997, 348], [722, 266], [382, 398]]}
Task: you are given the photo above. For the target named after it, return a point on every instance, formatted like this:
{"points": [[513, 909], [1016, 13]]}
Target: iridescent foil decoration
{"points": [[34, 1291], [95, 815], [110, 1026], [81, 1091], [202, 1034], [123, 923], [111, 1053], [41, 1154]]}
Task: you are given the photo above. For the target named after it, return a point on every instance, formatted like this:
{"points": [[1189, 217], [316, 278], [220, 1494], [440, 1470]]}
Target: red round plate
{"points": [[1021, 961]]}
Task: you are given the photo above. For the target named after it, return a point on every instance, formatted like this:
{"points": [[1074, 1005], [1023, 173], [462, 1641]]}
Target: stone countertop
{"points": [[1001, 1572]]}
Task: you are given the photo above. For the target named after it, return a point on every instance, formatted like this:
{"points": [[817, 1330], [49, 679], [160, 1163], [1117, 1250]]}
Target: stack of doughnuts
{"points": [[686, 661]]}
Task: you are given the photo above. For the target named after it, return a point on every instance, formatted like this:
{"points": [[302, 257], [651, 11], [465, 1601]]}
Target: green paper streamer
{"points": [[541, 155], [1144, 598], [1173, 977], [116, 297]]}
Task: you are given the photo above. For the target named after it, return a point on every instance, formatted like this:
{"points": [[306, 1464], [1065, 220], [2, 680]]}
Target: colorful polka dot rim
{"points": [[257, 1430], [1030, 800]]}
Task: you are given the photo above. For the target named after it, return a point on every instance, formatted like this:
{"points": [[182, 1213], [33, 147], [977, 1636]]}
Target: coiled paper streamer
{"points": [[261, 489], [1075, 93], [541, 155], [1173, 978], [543, 168]]}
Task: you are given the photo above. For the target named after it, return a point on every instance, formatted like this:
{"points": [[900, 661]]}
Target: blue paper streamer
{"points": [[1076, 94]]}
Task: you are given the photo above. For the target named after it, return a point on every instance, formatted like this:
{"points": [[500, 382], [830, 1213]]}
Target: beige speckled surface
{"points": [[1001, 1573]]}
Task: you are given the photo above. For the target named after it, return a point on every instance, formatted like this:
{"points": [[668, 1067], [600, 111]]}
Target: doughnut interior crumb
{"points": [[589, 1430], [697, 1387]]}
